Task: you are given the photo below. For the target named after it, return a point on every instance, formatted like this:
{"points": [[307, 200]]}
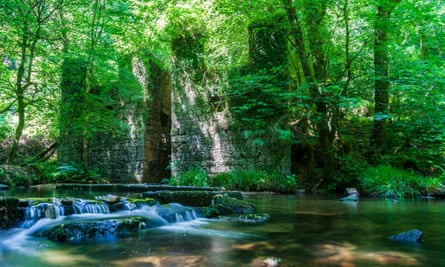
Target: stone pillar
{"points": [[189, 142], [258, 139], [204, 133], [158, 124], [72, 103], [140, 100]]}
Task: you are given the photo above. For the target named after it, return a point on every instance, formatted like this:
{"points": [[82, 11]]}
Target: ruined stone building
{"points": [[176, 120]]}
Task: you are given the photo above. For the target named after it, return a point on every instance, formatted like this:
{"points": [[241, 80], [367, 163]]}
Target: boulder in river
{"points": [[411, 236], [225, 205], [351, 194], [4, 187]]}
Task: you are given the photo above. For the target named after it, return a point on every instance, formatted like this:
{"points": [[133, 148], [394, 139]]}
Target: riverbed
{"points": [[304, 230]]}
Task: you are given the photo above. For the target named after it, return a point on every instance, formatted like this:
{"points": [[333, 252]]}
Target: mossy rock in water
{"points": [[97, 230], [228, 205], [10, 214], [207, 212]]}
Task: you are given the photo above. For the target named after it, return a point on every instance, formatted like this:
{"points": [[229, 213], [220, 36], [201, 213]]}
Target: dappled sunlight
{"points": [[62, 258], [348, 255], [169, 260], [261, 245]]}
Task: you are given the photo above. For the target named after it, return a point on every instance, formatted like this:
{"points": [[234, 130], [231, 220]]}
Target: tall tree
{"points": [[381, 70], [311, 55], [27, 24]]}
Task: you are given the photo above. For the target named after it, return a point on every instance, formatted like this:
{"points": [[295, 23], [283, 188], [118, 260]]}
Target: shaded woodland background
{"points": [[361, 91]]}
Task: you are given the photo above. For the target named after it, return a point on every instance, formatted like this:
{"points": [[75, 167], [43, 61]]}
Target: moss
{"points": [[227, 205], [96, 230], [207, 212], [10, 214]]}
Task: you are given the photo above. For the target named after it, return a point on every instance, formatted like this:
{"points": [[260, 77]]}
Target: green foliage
{"points": [[193, 177], [388, 181], [286, 184], [256, 98], [6, 130], [101, 33], [17, 176], [74, 172], [45, 171], [255, 180]]}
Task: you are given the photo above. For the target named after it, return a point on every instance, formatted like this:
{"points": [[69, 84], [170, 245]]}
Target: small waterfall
{"points": [[57, 208], [78, 219], [82, 206], [130, 205], [34, 212]]}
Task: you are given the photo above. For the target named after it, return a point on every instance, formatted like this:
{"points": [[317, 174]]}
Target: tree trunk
{"points": [[30, 36], [381, 70], [20, 97], [315, 74], [18, 130]]}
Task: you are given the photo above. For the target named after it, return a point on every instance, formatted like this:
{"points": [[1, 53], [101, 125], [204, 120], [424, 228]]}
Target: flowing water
{"points": [[302, 231]]}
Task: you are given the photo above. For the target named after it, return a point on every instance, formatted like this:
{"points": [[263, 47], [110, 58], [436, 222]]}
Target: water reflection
{"points": [[302, 231]]}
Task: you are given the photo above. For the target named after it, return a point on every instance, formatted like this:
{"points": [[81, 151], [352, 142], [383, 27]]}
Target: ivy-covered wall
{"points": [[132, 144], [211, 131], [175, 121]]}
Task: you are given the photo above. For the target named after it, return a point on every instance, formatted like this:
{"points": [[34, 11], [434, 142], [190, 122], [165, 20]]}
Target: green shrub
{"points": [[74, 172], [247, 180], [193, 177], [224, 179], [429, 185], [250, 180], [392, 182], [45, 171], [14, 175], [255, 180], [286, 184]]}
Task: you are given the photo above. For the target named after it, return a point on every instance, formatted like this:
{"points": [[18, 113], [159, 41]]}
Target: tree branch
{"points": [[7, 107]]}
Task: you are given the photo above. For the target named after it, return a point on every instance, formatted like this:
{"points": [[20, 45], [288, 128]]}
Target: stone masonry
{"points": [[175, 120]]}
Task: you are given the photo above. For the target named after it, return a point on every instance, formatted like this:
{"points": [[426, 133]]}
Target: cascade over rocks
{"points": [[96, 230], [111, 228], [112, 216]]}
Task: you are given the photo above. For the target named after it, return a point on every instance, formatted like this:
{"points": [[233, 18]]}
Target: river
{"points": [[304, 230]]}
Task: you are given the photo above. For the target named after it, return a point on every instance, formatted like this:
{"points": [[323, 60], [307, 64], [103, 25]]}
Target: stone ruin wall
{"points": [[131, 156], [211, 141], [169, 124]]}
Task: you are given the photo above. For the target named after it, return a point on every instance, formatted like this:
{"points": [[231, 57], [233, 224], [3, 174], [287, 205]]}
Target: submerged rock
{"points": [[411, 236]]}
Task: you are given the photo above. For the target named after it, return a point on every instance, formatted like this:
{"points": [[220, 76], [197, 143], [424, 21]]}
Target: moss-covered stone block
{"points": [[10, 213], [97, 230], [228, 205]]}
